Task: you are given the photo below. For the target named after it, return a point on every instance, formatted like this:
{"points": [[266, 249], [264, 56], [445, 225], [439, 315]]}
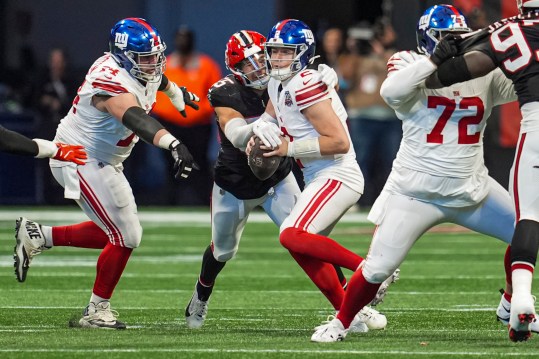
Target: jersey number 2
{"points": [[450, 105]]}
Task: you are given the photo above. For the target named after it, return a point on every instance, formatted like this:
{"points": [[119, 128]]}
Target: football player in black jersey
{"points": [[512, 45], [239, 100]]}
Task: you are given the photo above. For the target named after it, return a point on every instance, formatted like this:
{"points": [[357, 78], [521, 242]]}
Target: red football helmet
{"points": [[523, 4], [246, 48]]}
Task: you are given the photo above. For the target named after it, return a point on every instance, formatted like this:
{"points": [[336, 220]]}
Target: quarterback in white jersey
{"points": [[109, 114], [439, 174], [306, 120]]}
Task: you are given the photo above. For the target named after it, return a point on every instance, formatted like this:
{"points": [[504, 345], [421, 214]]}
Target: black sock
{"points": [[341, 276], [208, 273]]}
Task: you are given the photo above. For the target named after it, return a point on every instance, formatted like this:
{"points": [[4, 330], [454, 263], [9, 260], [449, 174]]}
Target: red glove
{"points": [[70, 153]]}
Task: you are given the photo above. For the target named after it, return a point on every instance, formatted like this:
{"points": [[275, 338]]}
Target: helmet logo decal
{"points": [[308, 36], [121, 40]]}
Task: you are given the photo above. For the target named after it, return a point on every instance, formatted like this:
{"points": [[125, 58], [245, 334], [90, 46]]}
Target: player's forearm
{"points": [[403, 83], [147, 127], [15, 143]]}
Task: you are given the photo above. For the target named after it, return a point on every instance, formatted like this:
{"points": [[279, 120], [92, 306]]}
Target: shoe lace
{"points": [[326, 322], [379, 297], [200, 308], [106, 314]]}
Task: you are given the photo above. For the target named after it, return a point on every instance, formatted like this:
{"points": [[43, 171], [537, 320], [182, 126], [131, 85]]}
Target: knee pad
{"points": [[376, 272], [132, 236], [222, 254], [525, 242]]}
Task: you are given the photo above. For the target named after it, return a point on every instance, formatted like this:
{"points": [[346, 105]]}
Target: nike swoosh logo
{"points": [[306, 82]]}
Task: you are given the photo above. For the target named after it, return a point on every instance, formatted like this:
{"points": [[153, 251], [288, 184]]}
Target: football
{"points": [[262, 167]]}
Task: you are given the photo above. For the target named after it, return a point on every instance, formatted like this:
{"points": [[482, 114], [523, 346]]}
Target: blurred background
{"points": [[48, 46]]}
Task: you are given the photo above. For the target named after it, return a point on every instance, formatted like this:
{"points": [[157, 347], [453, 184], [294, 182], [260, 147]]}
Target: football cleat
{"points": [[521, 317], [100, 316], [331, 331], [195, 313], [30, 243], [503, 314], [372, 318], [382, 291]]}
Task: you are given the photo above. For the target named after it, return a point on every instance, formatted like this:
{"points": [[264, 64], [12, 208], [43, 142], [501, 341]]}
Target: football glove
{"points": [[268, 132], [329, 76], [445, 49], [183, 160], [70, 153], [401, 60], [180, 97]]}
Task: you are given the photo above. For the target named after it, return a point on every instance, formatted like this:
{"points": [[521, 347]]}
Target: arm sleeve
{"points": [[402, 84], [141, 123], [15, 143]]}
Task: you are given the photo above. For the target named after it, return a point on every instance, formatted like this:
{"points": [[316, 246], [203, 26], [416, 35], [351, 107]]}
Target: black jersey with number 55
{"points": [[513, 45], [232, 173]]}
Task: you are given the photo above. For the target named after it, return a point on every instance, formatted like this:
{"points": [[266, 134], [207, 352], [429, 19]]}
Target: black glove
{"points": [[189, 98], [445, 49], [183, 160]]}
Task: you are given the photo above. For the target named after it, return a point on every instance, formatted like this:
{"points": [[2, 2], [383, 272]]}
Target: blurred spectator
{"points": [[55, 91], [198, 72], [332, 54], [375, 130]]}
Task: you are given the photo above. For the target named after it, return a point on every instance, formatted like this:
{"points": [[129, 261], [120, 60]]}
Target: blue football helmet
{"points": [[289, 34], [435, 22], [137, 47]]}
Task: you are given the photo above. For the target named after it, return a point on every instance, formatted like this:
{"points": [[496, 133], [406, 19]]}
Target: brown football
{"points": [[262, 167]]}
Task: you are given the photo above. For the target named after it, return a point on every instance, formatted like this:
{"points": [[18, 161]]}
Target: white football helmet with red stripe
{"points": [[525, 5], [137, 47]]}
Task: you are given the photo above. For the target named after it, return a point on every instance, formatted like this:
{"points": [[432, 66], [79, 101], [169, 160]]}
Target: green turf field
{"points": [[263, 305]]}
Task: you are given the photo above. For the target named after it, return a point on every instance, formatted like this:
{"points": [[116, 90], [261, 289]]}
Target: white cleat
{"points": [[382, 291], [100, 316], [503, 313], [30, 243], [195, 313], [372, 318], [332, 331], [521, 317]]}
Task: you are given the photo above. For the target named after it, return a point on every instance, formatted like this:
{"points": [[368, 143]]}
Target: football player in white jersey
{"points": [[239, 99], [312, 119], [109, 114], [439, 173]]}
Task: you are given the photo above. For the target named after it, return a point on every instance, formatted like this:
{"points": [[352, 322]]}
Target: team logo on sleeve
{"points": [[287, 99], [121, 40]]}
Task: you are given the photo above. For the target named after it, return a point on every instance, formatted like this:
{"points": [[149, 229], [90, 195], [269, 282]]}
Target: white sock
{"points": [[522, 281], [47, 233], [97, 299]]}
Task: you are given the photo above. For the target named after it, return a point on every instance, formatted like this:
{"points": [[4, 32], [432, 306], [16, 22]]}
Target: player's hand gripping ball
{"points": [[262, 167]]}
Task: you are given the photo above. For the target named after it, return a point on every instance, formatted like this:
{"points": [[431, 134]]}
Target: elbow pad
{"points": [[142, 124], [454, 71], [238, 132]]}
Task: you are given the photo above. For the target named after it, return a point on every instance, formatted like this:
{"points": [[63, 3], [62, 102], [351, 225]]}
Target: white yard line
{"points": [[316, 350]]}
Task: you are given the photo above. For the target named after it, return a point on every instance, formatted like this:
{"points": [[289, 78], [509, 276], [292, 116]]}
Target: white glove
{"points": [[329, 76], [401, 60], [268, 132], [179, 96]]}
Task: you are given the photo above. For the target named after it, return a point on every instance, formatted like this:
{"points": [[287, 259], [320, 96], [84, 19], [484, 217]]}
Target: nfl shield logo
{"points": [[287, 99]]}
